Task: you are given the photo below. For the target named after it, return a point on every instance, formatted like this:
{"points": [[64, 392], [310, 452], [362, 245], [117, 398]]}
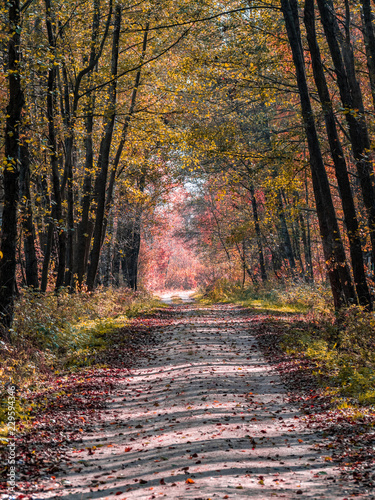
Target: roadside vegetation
{"points": [[339, 348], [62, 333]]}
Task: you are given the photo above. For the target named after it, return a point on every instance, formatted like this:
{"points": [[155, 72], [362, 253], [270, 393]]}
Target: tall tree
{"points": [[352, 102], [104, 152], [11, 168], [31, 261], [351, 221], [56, 217], [334, 253]]}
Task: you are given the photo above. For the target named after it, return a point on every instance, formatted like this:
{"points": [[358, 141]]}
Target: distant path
{"points": [[185, 296], [204, 418]]}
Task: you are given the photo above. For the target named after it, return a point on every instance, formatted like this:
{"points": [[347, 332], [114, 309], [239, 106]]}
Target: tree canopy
{"points": [[162, 143]]}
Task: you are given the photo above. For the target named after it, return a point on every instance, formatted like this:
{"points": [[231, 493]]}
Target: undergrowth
{"points": [[343, 353], [52, 333], [289, 297]]}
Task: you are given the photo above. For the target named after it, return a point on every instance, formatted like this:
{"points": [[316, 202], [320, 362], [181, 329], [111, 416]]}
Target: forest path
{"points": [[204, 417]]}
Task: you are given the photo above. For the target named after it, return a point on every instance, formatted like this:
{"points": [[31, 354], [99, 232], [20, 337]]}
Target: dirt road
{"points": [[204, 417]]}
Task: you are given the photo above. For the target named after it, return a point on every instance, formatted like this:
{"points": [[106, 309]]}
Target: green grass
{"points": [[291, 298]]}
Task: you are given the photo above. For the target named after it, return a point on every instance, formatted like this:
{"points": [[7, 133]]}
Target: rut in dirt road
{"points": [[204, 417]]}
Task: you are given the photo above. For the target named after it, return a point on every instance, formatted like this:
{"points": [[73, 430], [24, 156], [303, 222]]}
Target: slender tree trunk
{"points": [[307, 246], [84, 233], [245, 263], [56, 211], [47, 256], [69, 143], [258, 234], [338, 157], [284, 233], [31, 262], [296, 234], [287, 249], [337, 269], [130, 259], [307, 255], [11, 171], [245, 267], [103, 160], [84, 236]]}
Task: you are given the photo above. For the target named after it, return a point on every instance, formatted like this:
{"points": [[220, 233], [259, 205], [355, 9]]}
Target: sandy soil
{"points": [[205, 417]]}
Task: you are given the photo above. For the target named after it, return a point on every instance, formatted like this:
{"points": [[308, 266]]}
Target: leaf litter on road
{"points": [[183, 423]]}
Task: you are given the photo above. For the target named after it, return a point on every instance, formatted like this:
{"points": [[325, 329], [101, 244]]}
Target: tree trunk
{"points": [[116, 264], [258, 234], [284, 234], [11, 171], [31, 262], [337, 269], [69, 143], [83, 233], [307, 240], [47, 256], [282, 227], [129, 262], [56, 211], [245, 267], [103, 160], [338, 157], [296, 238]]}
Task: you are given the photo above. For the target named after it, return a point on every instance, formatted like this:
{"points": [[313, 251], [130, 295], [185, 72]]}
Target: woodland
{"points": [[240, 134], [225, 147]]}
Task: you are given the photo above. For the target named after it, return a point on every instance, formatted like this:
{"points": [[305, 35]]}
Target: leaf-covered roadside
{"points": [[66, 405], [348, 427]]}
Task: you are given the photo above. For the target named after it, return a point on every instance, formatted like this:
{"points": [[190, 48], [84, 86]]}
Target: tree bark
{"points": [[83, 232], [83, 238], [287, 248], [254, 206], [31, 261], [124, 133], [11, 170], [56, 210], [103, 160], [129, 262], [69, 143]]}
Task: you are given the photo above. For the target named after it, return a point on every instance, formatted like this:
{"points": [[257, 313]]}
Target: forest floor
{"points": [[196, 409]]}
